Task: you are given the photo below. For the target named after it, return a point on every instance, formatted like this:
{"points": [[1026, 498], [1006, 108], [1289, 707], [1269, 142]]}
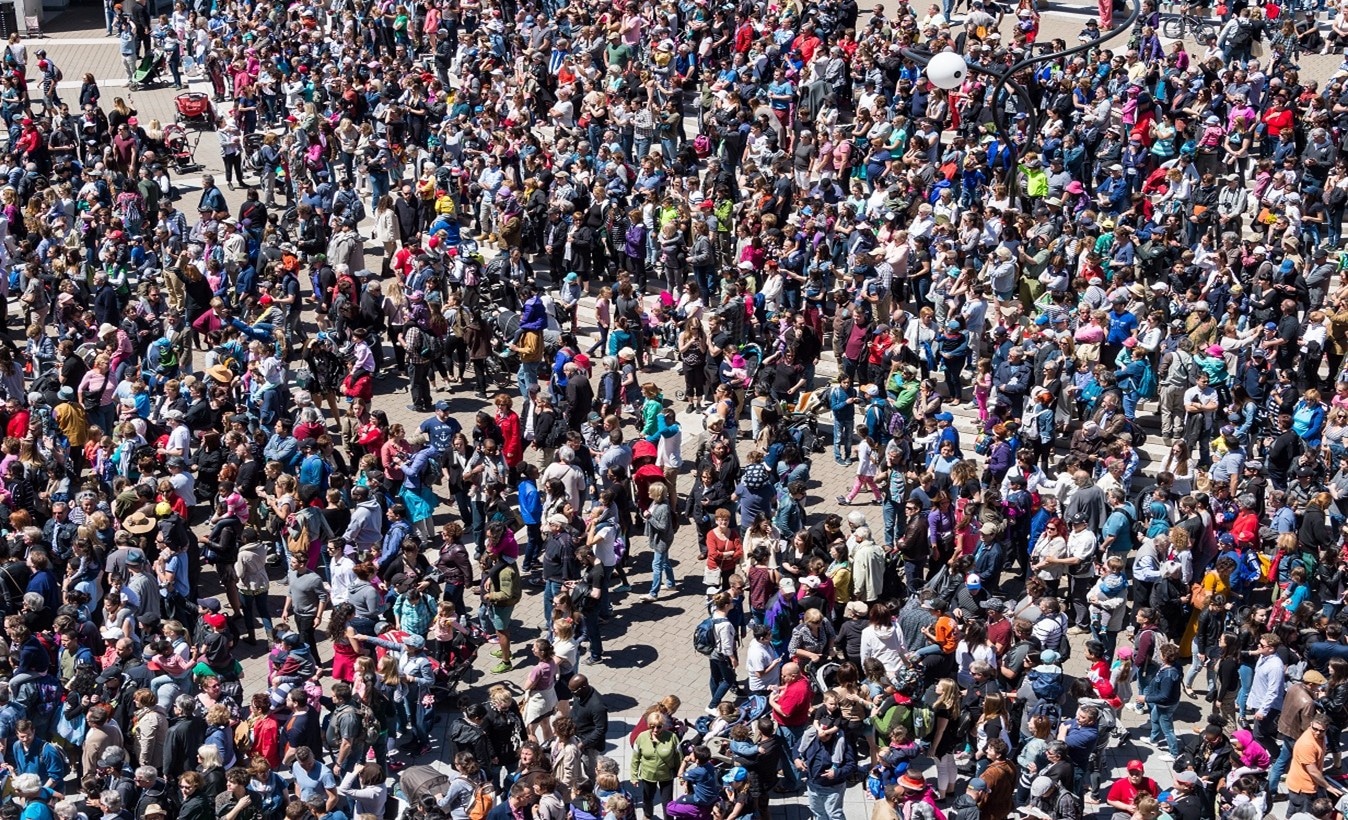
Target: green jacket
{"points": [[650, 414], [504, 588], [655, 761]]}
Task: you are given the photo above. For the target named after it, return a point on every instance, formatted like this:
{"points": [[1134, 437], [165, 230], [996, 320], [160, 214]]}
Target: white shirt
{"points": [[760, 658], [342, 572]]}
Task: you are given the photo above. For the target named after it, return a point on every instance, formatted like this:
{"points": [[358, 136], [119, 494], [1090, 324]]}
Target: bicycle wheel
{"points": [[1172, 27], [1202, 31]]}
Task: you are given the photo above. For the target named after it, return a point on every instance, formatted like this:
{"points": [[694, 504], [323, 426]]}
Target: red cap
{"points": [[1136, 766], [215, 620]]}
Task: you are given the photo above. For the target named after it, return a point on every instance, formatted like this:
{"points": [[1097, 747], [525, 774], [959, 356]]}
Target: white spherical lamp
{"points": [[947, 70]]}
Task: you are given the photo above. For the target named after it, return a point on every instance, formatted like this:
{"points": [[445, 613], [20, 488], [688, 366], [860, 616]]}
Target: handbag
{"points": [[92, 401]]}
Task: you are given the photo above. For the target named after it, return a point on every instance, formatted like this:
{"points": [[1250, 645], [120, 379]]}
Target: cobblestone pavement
{"points": [[648, 645]]}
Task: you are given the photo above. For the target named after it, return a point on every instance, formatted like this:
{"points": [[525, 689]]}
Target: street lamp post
{"points": [[947, 70]]}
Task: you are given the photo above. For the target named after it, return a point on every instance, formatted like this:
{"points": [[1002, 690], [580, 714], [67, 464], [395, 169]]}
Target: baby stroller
{"points": [[148, 70], [458, 660], [181, 151], [194, 108], [714, 732], [420, 786]]}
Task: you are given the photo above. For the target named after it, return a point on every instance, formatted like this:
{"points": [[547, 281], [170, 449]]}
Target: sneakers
{"points": [[501, 668], [620, 588], [496, 653], [842, 500], [648, 599]]}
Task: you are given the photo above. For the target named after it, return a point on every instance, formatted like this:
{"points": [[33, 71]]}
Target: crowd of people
{"points": [[765, 196]]}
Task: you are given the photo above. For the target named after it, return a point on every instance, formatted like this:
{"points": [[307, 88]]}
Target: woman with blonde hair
{"points": [[944, 737], [395, 309]]}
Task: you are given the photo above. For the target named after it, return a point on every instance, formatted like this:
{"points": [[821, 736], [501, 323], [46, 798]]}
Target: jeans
{"points": [[1195, 667], [894, 523], [1246, 678], [256, 605], [526, 377], [660, 567], [790, 736], [591, 628], [1281, 762], [826, 801], [304, 625], [1130, 400], [379, 185], [1163, 724], [722, 680], [842, 439], [550, 591], [413, 718]]}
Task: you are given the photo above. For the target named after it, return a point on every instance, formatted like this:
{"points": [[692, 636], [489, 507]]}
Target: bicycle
{"points": [[1174, 26]]}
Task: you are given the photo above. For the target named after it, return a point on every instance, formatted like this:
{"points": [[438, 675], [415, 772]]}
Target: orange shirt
{"points": [[1306, 754], [945, 633]]}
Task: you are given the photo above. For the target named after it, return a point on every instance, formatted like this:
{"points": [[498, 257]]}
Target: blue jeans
{"points": [[893, 518], [790, 742], [660, 566], [1163, 724], [379, 185], [413, 718], [842, 439], [826, 802], [1281, 762], [591, 623], [550, 591], [1246, 679], [722, 680], [1130, 400], [527, 377]]}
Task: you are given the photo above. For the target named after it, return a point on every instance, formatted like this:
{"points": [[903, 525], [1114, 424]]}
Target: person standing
{"points": [[790, 705], [1162, 696], [655, 761], [1306, 779], [725, 659]]}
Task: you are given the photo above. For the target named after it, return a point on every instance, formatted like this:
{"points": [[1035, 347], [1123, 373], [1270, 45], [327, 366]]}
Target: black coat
{"points": [[591, 718], [185, 736]]}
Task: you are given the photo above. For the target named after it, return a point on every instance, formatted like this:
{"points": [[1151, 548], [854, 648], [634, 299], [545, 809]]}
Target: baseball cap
{"points": [[1136, 766]]}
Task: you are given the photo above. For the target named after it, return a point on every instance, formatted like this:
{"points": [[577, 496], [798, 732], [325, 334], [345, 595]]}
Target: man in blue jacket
{"points": [[842, 401]]}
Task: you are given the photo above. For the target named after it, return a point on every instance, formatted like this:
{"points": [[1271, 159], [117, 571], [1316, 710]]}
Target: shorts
{"points": [[499, 617]]}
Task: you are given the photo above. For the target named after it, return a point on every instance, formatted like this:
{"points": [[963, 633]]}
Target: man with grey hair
{"points": [[187, 731]]}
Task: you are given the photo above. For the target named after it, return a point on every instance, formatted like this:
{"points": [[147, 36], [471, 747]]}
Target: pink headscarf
{"points": [[1254, 756]]}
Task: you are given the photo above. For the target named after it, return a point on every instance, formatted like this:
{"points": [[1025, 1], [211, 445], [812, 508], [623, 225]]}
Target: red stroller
{"points": [[194, 108], [646, 473]]}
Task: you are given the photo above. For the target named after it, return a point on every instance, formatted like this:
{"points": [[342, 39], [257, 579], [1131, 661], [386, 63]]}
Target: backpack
{"points": [[370, 724], [1146, 386], [1050, 710], [924, 720], [1136, 435], [1158, 640], [704, 637], [480, 800], [1046, 685], [887, 414]]}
